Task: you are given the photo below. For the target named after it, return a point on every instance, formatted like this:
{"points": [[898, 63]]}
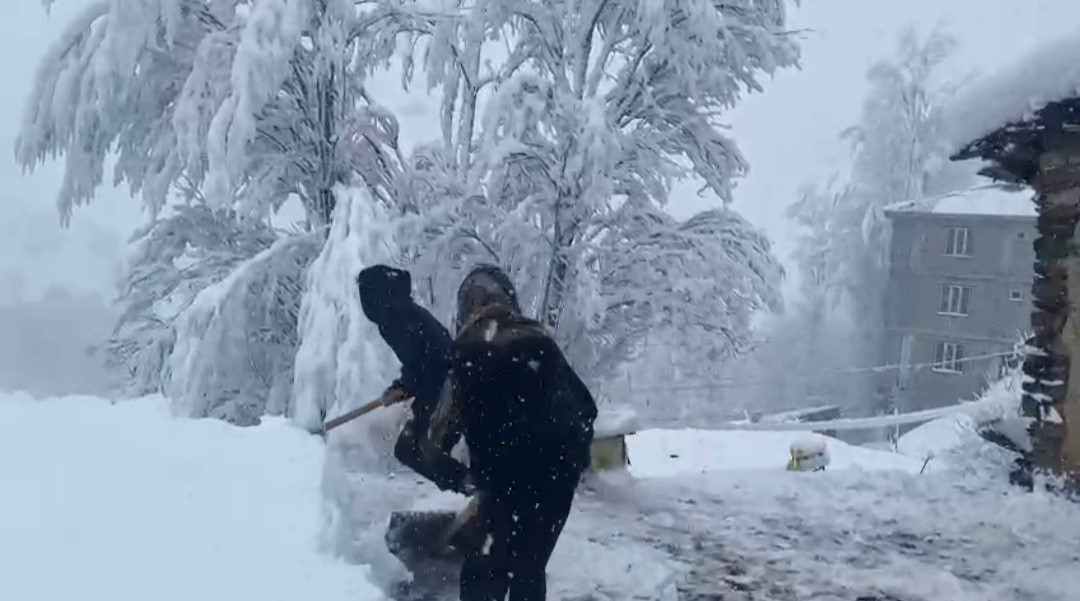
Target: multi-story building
{"points": [[959, 289]]}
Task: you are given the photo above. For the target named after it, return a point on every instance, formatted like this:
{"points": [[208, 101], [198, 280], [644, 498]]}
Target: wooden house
{"points": [[1024, 122]]}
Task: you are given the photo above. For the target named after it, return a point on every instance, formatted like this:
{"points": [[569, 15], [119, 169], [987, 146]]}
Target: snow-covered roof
{"points": [[989, 199], [1015, 92]]}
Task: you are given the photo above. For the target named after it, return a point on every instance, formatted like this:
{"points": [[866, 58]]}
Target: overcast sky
{"points": [[788, 133]]}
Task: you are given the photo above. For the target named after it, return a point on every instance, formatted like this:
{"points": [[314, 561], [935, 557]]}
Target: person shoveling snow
{"points": [[422, 345], [527, 419], [525, 416]]}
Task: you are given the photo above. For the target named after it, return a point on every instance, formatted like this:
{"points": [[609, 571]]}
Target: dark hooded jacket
{"points": [[417, 338], [526, 415]]}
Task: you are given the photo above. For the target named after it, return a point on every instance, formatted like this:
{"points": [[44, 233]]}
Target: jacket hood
{"points": [[485, 286], [382, 288]]}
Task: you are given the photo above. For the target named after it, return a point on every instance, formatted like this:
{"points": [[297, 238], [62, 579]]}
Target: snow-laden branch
{"points": [[234, 103], [561, 168], [236, 342], [174, 259]]}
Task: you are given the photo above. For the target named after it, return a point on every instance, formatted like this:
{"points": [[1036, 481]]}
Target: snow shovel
{"points": [[384, 401], [420, 535]]}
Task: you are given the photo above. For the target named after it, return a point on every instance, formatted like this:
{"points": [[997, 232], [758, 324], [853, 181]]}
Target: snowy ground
{"points": [[869, 528], [124, 502], [715, 515], [935, 520]]}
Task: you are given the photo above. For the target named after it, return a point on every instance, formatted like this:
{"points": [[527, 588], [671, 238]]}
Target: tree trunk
{"points": [[1050, 384], [1069, 406], [558, 274], [328, 120]]}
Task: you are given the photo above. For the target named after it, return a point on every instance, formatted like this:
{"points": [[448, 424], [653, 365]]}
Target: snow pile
{"points": [[663, 453], [991, 199], [939, 436], [954, 433], [1048, 74], [123, 502], [341, 362]]}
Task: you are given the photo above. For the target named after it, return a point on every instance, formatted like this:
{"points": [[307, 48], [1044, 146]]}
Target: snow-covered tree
{"points": [[897, 150], [174, 258], [564, 125], [229, 107], [816, 335], [817, 259], [898, 153], [236, 342], [243, 103]]}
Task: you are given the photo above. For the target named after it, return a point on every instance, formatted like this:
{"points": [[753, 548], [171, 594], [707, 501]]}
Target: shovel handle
{"points": [[383, 401]]}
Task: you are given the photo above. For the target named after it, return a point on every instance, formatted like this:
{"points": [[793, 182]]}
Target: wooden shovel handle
{"points": [[384, 401]]}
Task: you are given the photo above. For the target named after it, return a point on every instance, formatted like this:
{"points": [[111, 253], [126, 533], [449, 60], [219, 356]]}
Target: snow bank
{"points": [[342, 362], [950, 433], [1048, 74], [663, 453], [939, 436], [123, 502]]}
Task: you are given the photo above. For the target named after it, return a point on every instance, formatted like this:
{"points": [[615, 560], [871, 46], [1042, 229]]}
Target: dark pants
{"points": [[524, 527], [431, 459]]}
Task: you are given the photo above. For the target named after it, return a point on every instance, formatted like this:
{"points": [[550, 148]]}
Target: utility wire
{"points": [[736, 383]]}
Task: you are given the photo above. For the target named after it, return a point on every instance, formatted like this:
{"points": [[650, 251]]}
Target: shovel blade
{"points": [[416, 535]]}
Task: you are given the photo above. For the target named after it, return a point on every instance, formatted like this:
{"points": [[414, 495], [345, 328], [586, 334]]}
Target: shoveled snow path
{"points": [[603, 554], [854, 535], [124, 502], [957, 533], [851, 536]]}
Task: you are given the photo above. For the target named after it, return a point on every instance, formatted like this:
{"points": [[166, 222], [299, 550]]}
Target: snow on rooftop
{"points": [[990, 199], [1015, 92]]}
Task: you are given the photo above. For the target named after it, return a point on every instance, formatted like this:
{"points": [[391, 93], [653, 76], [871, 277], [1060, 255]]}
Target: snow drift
{"points": [[952, 433], [123, 502]]}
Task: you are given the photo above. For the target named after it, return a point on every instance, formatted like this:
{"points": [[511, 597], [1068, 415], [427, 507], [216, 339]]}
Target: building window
{"points": [[1021, 235], [958, 242], [949, 357], [954, 300], [1016, 295]]}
